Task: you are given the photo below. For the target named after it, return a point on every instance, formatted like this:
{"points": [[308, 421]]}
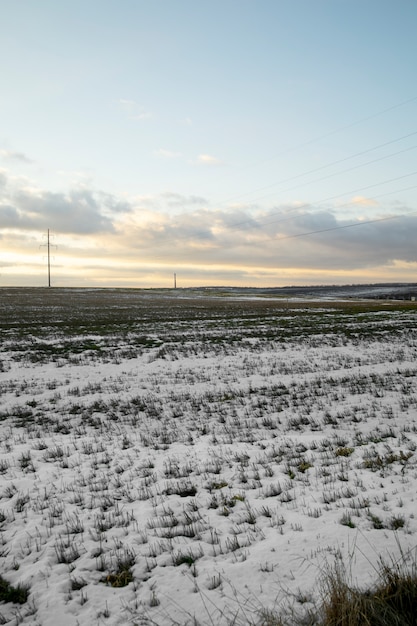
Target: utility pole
{"points": [[48, 246], [49, 262], [175, 281]]}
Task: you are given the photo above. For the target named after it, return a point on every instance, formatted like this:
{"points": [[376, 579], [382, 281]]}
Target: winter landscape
{"points": [[200, 457]]}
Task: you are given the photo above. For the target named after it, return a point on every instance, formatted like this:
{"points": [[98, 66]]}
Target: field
{"points": [[196, 458]]}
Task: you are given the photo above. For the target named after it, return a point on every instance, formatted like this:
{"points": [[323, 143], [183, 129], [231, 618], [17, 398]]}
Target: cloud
{"points": [[362, 201], [176, 199], [79, 178], [9, 216], [311, 241], [79, 211], [179, 230], [206, 159], [111, 203], [167, 154], [127, 104], [142, 115], [324, 241], [11, 155], [134, 110]]}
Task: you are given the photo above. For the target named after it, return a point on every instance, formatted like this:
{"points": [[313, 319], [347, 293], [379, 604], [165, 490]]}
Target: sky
{"points": [[229, 142]]}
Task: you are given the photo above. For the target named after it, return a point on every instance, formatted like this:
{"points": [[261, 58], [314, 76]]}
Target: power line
{"points": [[303, 206], [335, 131], [321, 200], [323, 167], [349, 169], [338, 161], [363, 223], [319, 138], [358, 189], [335, 228]]}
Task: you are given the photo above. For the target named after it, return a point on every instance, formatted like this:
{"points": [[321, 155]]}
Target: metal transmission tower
{"points": [[48, 246]]}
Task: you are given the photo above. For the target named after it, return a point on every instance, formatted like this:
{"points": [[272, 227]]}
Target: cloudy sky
{"points": [[232, 142]]}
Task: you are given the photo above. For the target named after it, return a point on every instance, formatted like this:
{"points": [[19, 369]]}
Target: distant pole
{"points": [[49, 261], [48, 246], [175, 281]]}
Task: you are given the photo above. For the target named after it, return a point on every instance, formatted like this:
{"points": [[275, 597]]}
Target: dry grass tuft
{"points": [[391, 602]]}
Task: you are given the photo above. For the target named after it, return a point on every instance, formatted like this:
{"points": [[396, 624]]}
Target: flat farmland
{"points": [[193, 457]]}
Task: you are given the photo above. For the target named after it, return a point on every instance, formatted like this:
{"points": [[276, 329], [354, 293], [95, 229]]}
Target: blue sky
{"points": [[231, 142]]}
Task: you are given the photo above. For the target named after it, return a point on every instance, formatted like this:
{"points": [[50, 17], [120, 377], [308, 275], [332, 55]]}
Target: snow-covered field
{"points": [[181, 460]]}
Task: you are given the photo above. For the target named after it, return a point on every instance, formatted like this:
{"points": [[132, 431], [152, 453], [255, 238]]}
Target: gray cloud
{"points": [[75, 212], [80, 211], [113, 204], [11, 155], [242, 237], [9, 216], [322, 240], [317, 240], [176, 199]]}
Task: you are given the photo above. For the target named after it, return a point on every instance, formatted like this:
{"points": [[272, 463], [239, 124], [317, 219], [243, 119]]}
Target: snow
{"points": [[210, 449]]}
